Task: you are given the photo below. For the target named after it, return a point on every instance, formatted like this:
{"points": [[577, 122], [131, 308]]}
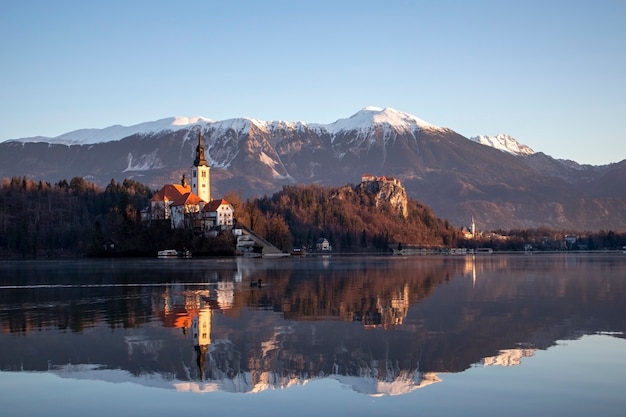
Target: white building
{"points": [[184, 211], [323, 244], [217, 214]]}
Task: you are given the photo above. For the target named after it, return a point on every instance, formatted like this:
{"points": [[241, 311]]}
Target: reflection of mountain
{"points": [[365, 385], [379, 325], [508, 357]]}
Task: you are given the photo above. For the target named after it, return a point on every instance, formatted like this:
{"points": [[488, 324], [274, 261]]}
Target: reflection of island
{"points": [[387, 326]]}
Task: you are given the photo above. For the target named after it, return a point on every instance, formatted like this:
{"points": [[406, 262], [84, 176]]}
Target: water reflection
{"points": [[379, 325]]}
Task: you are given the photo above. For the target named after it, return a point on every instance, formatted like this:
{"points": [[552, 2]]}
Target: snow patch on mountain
{"points": [[504, 143], [144, 162], [270, 163]]}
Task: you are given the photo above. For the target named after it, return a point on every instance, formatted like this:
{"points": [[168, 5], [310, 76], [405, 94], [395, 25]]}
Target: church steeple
{"points": [[200, 176], [199, 161]]}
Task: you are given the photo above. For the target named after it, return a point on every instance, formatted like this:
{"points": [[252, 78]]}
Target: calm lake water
{"points": [[488, 335]]}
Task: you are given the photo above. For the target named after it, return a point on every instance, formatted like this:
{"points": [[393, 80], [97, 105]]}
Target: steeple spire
{"points": [[199, 161]]}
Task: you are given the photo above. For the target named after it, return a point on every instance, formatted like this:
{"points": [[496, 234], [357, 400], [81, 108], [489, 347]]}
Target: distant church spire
{"points": [[199, 161]]}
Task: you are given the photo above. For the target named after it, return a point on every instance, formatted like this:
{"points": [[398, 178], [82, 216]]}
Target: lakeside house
{"points": [[218, 214], [322, 244]]}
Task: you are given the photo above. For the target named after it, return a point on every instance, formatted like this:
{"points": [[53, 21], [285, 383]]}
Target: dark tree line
{"points": [[39, 219], [78, 218]]}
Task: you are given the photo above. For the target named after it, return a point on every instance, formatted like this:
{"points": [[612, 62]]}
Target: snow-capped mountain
{"points": [[371, 117], [389, 121], [505, 143], [365, 120], [457, 177], [117, 132]]}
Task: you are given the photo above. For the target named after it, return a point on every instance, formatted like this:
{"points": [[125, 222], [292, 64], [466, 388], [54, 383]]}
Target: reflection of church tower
{"points": [[200, 178], [201, 358], [201, 328], [470, 268]]}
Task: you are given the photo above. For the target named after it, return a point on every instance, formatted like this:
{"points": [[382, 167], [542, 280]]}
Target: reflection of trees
{"points": [[373, 295], [78, 295], [76, 309]]}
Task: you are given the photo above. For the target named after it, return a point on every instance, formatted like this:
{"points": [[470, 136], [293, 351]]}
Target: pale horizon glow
{"points": [[549, 74]]}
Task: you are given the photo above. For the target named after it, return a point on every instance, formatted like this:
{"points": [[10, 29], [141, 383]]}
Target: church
{"points": [[190, 206]]}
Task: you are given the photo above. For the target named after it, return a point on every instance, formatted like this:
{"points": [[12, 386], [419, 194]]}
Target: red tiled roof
{"points": [[187, 199], [170, 192], [214, 205]]}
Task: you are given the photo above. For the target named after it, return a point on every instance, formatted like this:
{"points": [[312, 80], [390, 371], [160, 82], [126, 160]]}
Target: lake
{"points": [[483, 335]]}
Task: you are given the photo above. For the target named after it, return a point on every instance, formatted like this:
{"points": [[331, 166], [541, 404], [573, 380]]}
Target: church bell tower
{"points": [[200, 176]]}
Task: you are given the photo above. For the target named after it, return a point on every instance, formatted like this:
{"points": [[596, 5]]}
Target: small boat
{"points": [[298, 252], [167, 253], [173, 253], [484, 250]]}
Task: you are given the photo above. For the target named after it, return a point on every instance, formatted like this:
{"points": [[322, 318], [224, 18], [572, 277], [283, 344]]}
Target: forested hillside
{"points": [[66, 219], [77, 218], [352, 219]]}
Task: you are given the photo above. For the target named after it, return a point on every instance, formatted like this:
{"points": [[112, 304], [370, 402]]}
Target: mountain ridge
{"points": [[367, 118], [456, 177]]}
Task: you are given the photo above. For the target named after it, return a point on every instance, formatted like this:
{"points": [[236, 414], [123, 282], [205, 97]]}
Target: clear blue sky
{"points": [[550, 73]]}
